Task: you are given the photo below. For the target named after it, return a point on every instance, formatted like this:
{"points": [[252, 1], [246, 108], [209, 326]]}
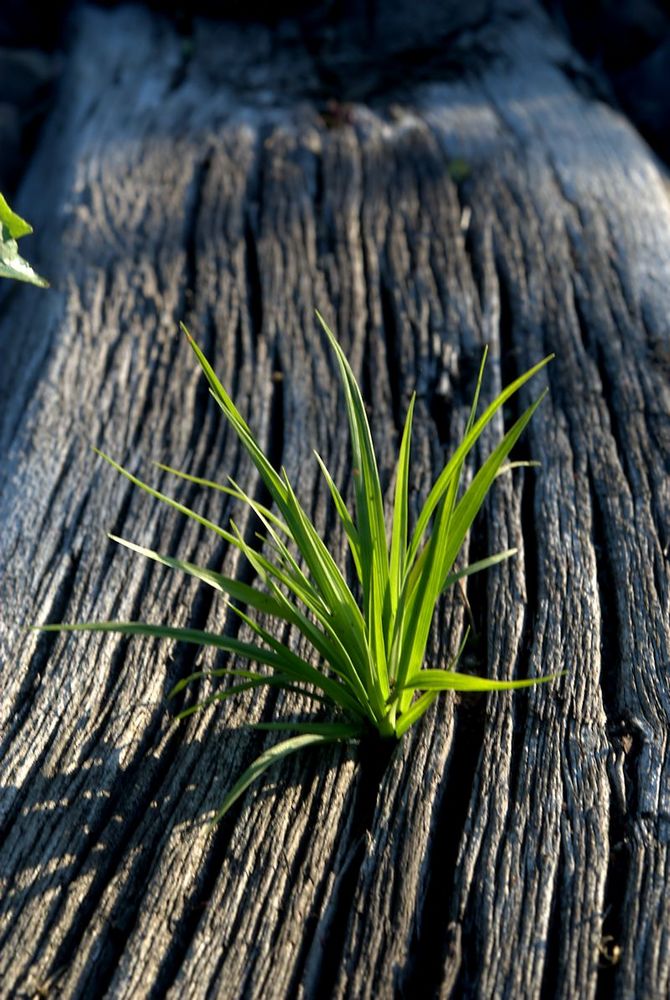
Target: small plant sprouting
{"points": [[369, 641]]}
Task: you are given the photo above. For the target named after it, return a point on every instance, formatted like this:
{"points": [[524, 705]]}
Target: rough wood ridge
{"points": [[516, 845]]}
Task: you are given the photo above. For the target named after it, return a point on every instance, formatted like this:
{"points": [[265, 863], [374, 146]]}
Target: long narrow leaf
{"points": [[205, 522], [399, 531], [448, 535], [232, 490], [478, 566], [250, 596], [347, 522], [412, 636], [478, 389], [279, 658], [224, 642], [352, 696], [290, 567], [249, 675], [270, 475], [326, 640], [471, 502], [414, 712], [469, 440], [369, 500], [260, 681], [266, 760], [281, 680], [452, 680]]}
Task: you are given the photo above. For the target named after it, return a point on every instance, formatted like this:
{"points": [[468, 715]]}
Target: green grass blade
{"points": [[287, 681], [446, 476], [233, 490], [452, 531], [279, 658], [478, 566], [227, 643], [452, 680], [250, 596], [250, 685], [290, 565], [272, 574], [345, 517], [324, 570], [234, 538], [269, 474], [470, 503], [205, 522], [249, 675], [351, 695], [371, 527], [266, 760], [400, 526], [328, 578], [414, 712], [418, 606], [436, 560], [478, 389], [197, 480], [377, 639], [406, 695], [327, 640], [367, 487]]}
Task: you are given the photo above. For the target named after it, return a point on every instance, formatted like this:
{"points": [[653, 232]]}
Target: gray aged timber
{"points": [[516, 845]]}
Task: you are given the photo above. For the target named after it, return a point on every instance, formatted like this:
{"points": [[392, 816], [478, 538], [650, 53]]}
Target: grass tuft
{"points": [[369, 636]]}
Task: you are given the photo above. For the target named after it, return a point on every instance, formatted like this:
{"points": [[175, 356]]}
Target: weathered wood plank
{"points": [[512, 842]]}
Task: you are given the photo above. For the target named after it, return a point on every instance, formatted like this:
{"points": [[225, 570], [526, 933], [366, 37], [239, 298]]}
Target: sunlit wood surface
{"points": [[516, 845]]}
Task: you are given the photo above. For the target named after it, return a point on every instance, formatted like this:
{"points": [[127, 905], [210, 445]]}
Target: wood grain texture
{"points": [[514, 845]]}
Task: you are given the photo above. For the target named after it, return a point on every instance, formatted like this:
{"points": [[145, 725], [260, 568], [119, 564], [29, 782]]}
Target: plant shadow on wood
{"points": [[70, 835]]}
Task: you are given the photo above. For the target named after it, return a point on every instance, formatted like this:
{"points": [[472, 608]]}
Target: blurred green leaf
{"points": [[12, 264]]}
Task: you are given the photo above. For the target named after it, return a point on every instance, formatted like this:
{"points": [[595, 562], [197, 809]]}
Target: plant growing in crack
{"points": [[369, 639]]}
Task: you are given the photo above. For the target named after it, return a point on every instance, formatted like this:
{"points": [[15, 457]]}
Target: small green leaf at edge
{"points": [[12, 265], [13, 223], [15, 267], [266, 760]]}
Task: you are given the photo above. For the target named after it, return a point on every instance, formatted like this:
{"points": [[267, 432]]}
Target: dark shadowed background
{"points": [[625, 44]]}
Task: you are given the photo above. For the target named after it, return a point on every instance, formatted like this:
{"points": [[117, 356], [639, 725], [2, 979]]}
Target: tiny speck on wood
{"points": [[337, 114], [609, 950]]}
